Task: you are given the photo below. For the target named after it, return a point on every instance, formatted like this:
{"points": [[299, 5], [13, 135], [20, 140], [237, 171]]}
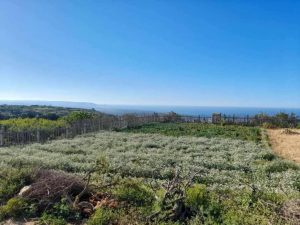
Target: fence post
{"points": [[38, 135], [67, 132], [1, 137], [84, 128]]}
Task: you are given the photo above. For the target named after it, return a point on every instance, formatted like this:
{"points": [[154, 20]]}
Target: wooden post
{"points": [[38, 135], [67, 132], [216, 118], [84, 128], [1, 137]]}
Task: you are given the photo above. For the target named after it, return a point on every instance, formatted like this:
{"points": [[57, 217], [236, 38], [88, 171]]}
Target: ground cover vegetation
{"points": [[200, 130], [185, 177]]}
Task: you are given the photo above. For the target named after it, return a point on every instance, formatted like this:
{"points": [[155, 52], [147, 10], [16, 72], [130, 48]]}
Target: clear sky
{"points": [[166, 52]]}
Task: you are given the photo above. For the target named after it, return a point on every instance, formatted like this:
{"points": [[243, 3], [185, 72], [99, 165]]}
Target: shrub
{"points": [[14, 208], [268, 156], [77, 116], [48, 219], [205, 204], [197, 197], [280, 166], [63, 209], [296, 183], [102, 216], [135, 193], [237, 217], [11, 181]]}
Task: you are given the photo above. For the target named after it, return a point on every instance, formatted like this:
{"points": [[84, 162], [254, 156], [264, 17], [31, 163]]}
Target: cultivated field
{"points": [[286, 144], [200, 130], [238, 179], [221, 162]]}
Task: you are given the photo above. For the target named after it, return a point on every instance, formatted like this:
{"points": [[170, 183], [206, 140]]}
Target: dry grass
{"points": [[286, 144]]}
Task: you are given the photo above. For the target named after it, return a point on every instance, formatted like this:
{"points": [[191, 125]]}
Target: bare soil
{"points": [[286, 143]]}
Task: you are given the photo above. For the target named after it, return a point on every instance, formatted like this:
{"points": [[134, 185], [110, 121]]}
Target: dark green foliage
{"points": [[196, 197], [102, 216], [281, 166], [14, 208], [48, 219], [200, 130], [268, 156], [134, 193], [77, 116], [205, 203], [11, 182], [64, 210], [296, 183], [233, 207]]}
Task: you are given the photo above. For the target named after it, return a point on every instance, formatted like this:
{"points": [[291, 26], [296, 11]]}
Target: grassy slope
{"points": [[200, 130]]}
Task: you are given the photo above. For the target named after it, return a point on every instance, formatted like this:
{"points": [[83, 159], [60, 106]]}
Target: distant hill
{"points": [[110, 109], [40, 111]]}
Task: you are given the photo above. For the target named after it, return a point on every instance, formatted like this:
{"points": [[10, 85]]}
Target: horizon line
{"points": [[145, 105]]}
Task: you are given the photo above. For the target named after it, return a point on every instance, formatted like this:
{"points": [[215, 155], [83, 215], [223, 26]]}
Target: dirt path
{"points": [[286, 144]]}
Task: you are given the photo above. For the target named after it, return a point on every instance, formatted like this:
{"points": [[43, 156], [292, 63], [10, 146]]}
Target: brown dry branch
{"points": [[50, 186]]}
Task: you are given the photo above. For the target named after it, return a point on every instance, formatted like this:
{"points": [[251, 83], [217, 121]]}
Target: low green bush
{"points": [[135, 193], [296, 183], [204, 203], [48, 219], [238, 217], [268, 156], [280, 166], [197, 197], [63, 209], [103, 216], [249, 207], [14, 208], [11, 181]]}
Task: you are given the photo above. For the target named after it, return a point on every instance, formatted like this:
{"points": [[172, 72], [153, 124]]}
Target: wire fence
{"points": [[9, 137]]}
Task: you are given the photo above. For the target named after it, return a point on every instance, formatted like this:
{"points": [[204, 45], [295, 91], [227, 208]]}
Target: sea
{"points": [[140, 109], [203, 110]]}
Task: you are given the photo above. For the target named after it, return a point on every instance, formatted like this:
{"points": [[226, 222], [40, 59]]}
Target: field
{"points": [[222, 162], [200, 130], [240, 180], [285, 144]]}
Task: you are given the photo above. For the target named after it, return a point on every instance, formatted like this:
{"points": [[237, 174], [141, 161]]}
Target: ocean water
{"points": [[204, 111]]}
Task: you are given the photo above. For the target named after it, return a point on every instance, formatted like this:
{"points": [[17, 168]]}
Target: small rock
{"points": [[23, 190]]}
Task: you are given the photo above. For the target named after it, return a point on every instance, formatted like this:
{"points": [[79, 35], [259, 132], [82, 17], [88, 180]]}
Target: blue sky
{"points": [[201, 53]]}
